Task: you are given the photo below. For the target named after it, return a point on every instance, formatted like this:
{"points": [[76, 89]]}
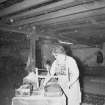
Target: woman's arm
{"points": [[52, 72], [73, 73]]}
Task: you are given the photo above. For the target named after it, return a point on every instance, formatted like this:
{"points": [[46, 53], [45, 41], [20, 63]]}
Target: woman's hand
{"points": [[41, 87]]}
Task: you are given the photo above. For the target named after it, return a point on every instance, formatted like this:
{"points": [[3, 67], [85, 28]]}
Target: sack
{"points": [[53, 90], [52, 81]]}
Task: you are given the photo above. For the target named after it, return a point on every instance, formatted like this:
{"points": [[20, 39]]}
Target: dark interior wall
{"points": [[13, 55], [38, 54]]}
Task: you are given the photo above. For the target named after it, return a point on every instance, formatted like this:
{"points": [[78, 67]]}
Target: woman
{"points": [[66, 69]]}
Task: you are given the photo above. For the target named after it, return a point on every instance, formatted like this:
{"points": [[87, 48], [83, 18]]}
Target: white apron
{"points": [[72, 93]]}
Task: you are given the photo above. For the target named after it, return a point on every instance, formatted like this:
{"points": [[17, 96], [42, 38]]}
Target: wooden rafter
{"points": [[59, 27], [12, 29], [70, 18], [74, 12], [56, 27], [1, 1], [49, 8], [21, 6]]}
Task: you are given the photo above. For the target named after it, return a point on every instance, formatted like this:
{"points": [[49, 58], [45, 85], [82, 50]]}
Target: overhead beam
{"points": [[73, 12], [65, 38], [11, 29], [14, 29], [98, 25], [80, 33], [75, 40], [48, 8], [55, 37], [70, 18], [21, 6], [55, 27], [1, 1], [75, 23]]}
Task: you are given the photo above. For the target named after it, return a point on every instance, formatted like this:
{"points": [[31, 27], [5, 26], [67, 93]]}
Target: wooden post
{"points": [[33, 39]]}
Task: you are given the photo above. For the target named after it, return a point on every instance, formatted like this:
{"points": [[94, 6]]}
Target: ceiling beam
{"points": [[70, 18], [56, 37], [21, 6], [11, 29], [96, 22], [73, 29], [55, 27], [48, 8], [63, 38], [98, 25], [74, 12], [1, 1], [82, 33]]}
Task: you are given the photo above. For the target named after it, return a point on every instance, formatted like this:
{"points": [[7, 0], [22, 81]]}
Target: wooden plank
{"points": [[48, 8], [82, 33], [20, 6], [1, 1], [71, 18], [12, 29], [75, 31], [33, 47], [50, 35], [75, 23], [69, 25], [71, 12]]}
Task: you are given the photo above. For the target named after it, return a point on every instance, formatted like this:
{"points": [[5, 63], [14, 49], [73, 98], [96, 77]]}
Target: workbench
{"points": [[39, 100]]}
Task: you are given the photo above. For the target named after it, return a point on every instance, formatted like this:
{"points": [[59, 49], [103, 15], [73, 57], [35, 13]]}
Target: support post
{"points": [[33, 39]]}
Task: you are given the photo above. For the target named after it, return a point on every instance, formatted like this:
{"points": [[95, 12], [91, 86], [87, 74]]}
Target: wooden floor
{"points": [[94, 85]]}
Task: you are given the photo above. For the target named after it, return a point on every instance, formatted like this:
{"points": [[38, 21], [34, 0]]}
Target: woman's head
{"points": [[57, 49]]}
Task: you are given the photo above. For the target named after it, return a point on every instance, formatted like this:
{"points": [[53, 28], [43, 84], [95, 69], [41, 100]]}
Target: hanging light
{"points": [[64, 42], [33, 27], [11, 20]]}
